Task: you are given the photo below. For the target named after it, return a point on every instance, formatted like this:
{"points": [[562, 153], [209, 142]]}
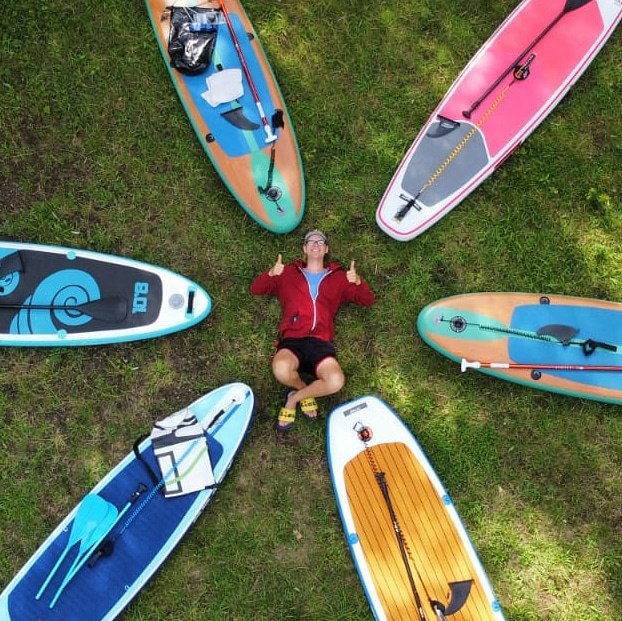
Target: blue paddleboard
{"points": [[136, 541]]}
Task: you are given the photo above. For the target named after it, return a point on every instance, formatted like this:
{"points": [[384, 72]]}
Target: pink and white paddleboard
{"points": [[507, 89]]}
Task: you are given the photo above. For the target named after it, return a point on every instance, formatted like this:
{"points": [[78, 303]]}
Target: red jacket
{"points": [[302, 316]]}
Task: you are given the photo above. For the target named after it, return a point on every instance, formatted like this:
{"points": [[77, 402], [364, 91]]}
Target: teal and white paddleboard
{"points": [[55, 296], [125, 528]]}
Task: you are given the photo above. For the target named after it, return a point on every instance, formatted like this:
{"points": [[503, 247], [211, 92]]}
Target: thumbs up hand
{"points": [[277, 268], [352, 276]]}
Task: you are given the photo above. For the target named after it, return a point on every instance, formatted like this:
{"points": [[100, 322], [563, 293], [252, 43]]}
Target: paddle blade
{"points": [[92, 510], [11, 263], [571, 5], [88, 545], [111, 310]]}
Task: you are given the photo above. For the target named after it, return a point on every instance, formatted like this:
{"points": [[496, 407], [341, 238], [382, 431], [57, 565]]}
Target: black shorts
{"points": [[309, 351]]}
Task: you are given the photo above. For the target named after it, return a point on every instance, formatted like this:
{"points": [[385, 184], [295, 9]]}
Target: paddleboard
{"points": [[50, 295], [503, 94], [142, 538], [409, 545], [235, 119], [535, 331]]}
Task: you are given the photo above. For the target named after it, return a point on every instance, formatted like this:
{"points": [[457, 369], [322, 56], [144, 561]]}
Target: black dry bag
{"points": [[192, 38]]}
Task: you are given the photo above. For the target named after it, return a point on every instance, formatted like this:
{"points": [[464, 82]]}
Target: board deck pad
{"points": [[436, 548], [266, 179], [146, 301], [525, 328], [460, 146], [157, 525]]}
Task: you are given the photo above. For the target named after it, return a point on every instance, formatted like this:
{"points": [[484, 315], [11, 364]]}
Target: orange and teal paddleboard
{"points": [[563, 344], [232, 98], [414, 557]]}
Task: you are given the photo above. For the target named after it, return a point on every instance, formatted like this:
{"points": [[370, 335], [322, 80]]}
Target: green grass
{"points": [[96, 152]]}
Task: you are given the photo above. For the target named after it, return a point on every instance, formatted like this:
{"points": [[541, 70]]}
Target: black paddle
{"points": [[384, 488], [571, 5], [112, 309]]}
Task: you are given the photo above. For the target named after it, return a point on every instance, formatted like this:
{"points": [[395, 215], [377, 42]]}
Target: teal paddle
{"points": [[87, 545], [92, 543], [90, 513]]}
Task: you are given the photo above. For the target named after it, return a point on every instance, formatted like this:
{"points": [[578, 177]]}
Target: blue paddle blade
{"points": [[87, 545], [92, 510]]}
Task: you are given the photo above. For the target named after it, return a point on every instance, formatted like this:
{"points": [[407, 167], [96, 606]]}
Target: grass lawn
{"points": [[96, 153]]}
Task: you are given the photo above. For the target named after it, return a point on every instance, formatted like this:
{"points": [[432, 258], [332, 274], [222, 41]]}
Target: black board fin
{"points": [[559, 331], [458, 594], [238, 119]]}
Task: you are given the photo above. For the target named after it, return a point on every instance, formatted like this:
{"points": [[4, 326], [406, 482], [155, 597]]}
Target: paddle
{"points": [[90, 513], [112, 309], [87, 544], [94, 541], [270, 135], [106, 548], [571, 5], [465, 364], [384, 488]]}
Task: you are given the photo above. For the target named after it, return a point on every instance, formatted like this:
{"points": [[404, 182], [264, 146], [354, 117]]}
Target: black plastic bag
{"points": [[192, 38]]}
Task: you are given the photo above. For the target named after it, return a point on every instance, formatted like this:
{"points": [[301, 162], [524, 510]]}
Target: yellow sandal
{"points": [[286, 419], [309, 407]]}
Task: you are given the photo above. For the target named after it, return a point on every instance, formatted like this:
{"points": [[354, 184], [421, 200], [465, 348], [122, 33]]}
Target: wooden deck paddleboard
{"points": [[535, 331], [266, 178], [136, 542], [53, 296], [503, 94], [400, 523]]}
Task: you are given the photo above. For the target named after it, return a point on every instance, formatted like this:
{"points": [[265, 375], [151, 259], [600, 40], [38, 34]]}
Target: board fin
{"points": [[559, 331], [444, 127], [458, 595], [238, 119]]}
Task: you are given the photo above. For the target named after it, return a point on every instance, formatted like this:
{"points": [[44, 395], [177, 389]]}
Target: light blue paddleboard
{"points": [[141, 540]]}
